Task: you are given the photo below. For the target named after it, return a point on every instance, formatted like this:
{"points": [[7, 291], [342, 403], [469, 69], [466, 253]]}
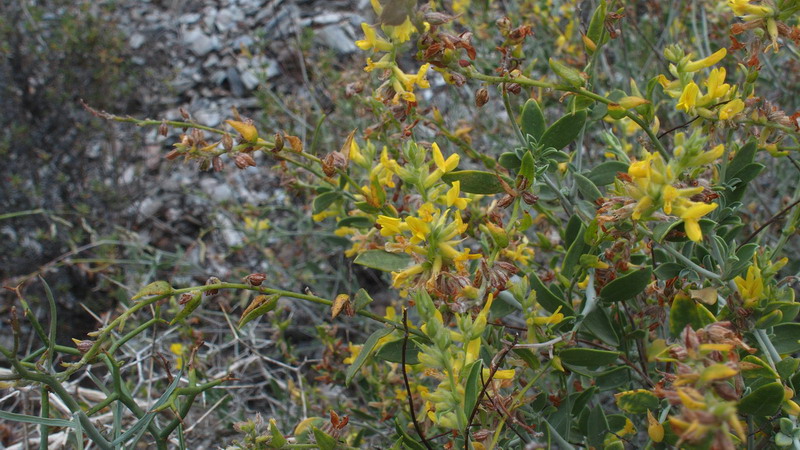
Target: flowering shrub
{"points": [[593, 282]]}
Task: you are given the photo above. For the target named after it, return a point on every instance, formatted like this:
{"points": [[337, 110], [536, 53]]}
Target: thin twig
{"points": [[769, 222], [496, 363], [408, 386]]}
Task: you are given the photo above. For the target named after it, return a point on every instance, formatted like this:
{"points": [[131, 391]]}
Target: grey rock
{"points": [[250, 79], [200, 43], [235, 82], [334, 37], [136, 40], [150, 206], [189, 19]]}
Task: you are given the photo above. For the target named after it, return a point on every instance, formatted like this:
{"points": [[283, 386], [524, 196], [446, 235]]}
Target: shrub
{"points": [[585, 273]]}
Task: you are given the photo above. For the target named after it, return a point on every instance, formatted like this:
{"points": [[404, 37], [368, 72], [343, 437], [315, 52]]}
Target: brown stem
{"points": [[495, 366], [408, 386], [769, 222]]}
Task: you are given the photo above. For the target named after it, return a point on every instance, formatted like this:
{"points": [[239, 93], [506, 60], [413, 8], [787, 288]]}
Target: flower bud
{"points": [[243, 161], [529, 198], [212, 281], [173, 154], [255, 279], [514, 88], [481, 97], [278, 143], [217, 164], [83, 346], [505, 201], [227, 142], [163, 129]]}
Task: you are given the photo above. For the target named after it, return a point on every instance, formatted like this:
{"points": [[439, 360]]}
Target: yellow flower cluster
{"points": [[400, 82], [652, 186], [690, 97]]}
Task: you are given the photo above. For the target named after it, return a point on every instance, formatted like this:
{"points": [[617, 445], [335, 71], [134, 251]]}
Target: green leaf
{"points": [[527, 168], [383, 260], [599, 324], [532, 120], [355, 222], [323, 201], [408, 442], [260, 305], [549, 301], [637, 402], [569, 74], [475, 181], [763, 401], [277, 440], [14, 417], [587, 188], [195, 301], [563, 131], [361, 300], [663, 228], [786, 337], [324, 440], [597, 427], [759, 370], [743, 157], [683, 312], [597, 25], [154, 288], [509, 160], [473, 386], [138, 428], [366, 351], [572, 231], [393, 352], [613, 378], [588, 356], [606, 172], [668, 270], [627, 286], [573, 255]]}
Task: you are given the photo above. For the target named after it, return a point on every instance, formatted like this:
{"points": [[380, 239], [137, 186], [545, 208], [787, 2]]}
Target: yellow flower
{"points": [[716, 85], [444, 165], [257, 225], [391, 226], [427, 212], [319, 217], [453, 198], [688, 98], [708, 61], [419, 229], [371, 40], [554, 319], [178, 350], [749, 11], [751, 288], [354, 351], [691, 214], [731, 109], [402, 32], [709, 156], [399, 278], [670, 194], [506, 374], [409, 81]]}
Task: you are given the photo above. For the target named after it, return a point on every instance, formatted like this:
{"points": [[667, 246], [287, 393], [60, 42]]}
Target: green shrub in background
{"points": [[589, 276]]}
